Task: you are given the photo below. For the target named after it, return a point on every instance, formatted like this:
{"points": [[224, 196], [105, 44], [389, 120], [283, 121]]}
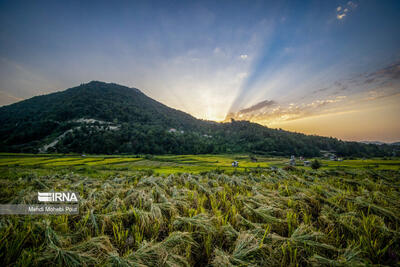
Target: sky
{"points": [[330, 68]]}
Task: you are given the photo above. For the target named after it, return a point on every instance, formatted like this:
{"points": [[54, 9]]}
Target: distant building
{"points": [[307, 163], [235, 164], [292, 161], [328, 154], [173, 130]]}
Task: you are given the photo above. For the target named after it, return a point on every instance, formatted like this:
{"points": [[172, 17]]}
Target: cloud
{"points": [[370, 80], [320, 90], [374, 95], [352, 5], [340, 16], [262, 104], [312, 96], [342, 12], [339, 86], [391, 72], [385, 81], [328, 98], [383, 78], [271, 112], [244, 57]]}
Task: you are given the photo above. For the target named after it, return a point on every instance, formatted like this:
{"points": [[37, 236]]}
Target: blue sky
{"points": [[307, 59]]}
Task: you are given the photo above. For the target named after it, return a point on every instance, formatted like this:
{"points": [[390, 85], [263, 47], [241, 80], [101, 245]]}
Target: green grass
{"points": [[176, 163], [196, 210]]}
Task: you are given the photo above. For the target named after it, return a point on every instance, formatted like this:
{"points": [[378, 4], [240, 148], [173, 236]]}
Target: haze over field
{"points": [[330, 68]]}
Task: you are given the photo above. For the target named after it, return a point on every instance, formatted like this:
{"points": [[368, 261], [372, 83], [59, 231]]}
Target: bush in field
{"points": [[289, 168], [316, 164]]}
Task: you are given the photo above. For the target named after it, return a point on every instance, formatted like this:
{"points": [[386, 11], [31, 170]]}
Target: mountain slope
{"points": [[103, 101], [102, 117]]}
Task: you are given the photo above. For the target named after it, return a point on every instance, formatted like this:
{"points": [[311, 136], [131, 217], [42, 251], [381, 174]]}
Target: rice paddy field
{"points": [[197, 210]]}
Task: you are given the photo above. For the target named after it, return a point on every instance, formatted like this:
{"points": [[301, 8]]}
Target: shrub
{"points": [[289, 168], [316, 164]]}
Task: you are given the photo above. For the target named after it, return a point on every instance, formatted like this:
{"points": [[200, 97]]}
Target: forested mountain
{"points": [[107, 118]]}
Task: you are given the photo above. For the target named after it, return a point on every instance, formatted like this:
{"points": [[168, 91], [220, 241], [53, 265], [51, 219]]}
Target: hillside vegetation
{"points": [[106, 118]]}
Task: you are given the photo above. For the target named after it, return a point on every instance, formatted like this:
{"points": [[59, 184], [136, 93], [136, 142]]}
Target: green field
{"points": [[197, 210], [104, 165]]}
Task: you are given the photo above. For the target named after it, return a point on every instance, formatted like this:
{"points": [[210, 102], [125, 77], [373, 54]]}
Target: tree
{"points": [[316, 164]]}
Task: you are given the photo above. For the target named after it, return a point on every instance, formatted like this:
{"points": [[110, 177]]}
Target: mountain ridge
{"points": [[137, 123]]}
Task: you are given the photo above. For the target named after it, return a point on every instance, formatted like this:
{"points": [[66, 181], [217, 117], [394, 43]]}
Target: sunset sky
{"points": [[330, 68]]}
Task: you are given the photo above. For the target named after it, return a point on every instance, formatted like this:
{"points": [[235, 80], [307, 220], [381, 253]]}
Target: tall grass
{"points": [[263, 218]]}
